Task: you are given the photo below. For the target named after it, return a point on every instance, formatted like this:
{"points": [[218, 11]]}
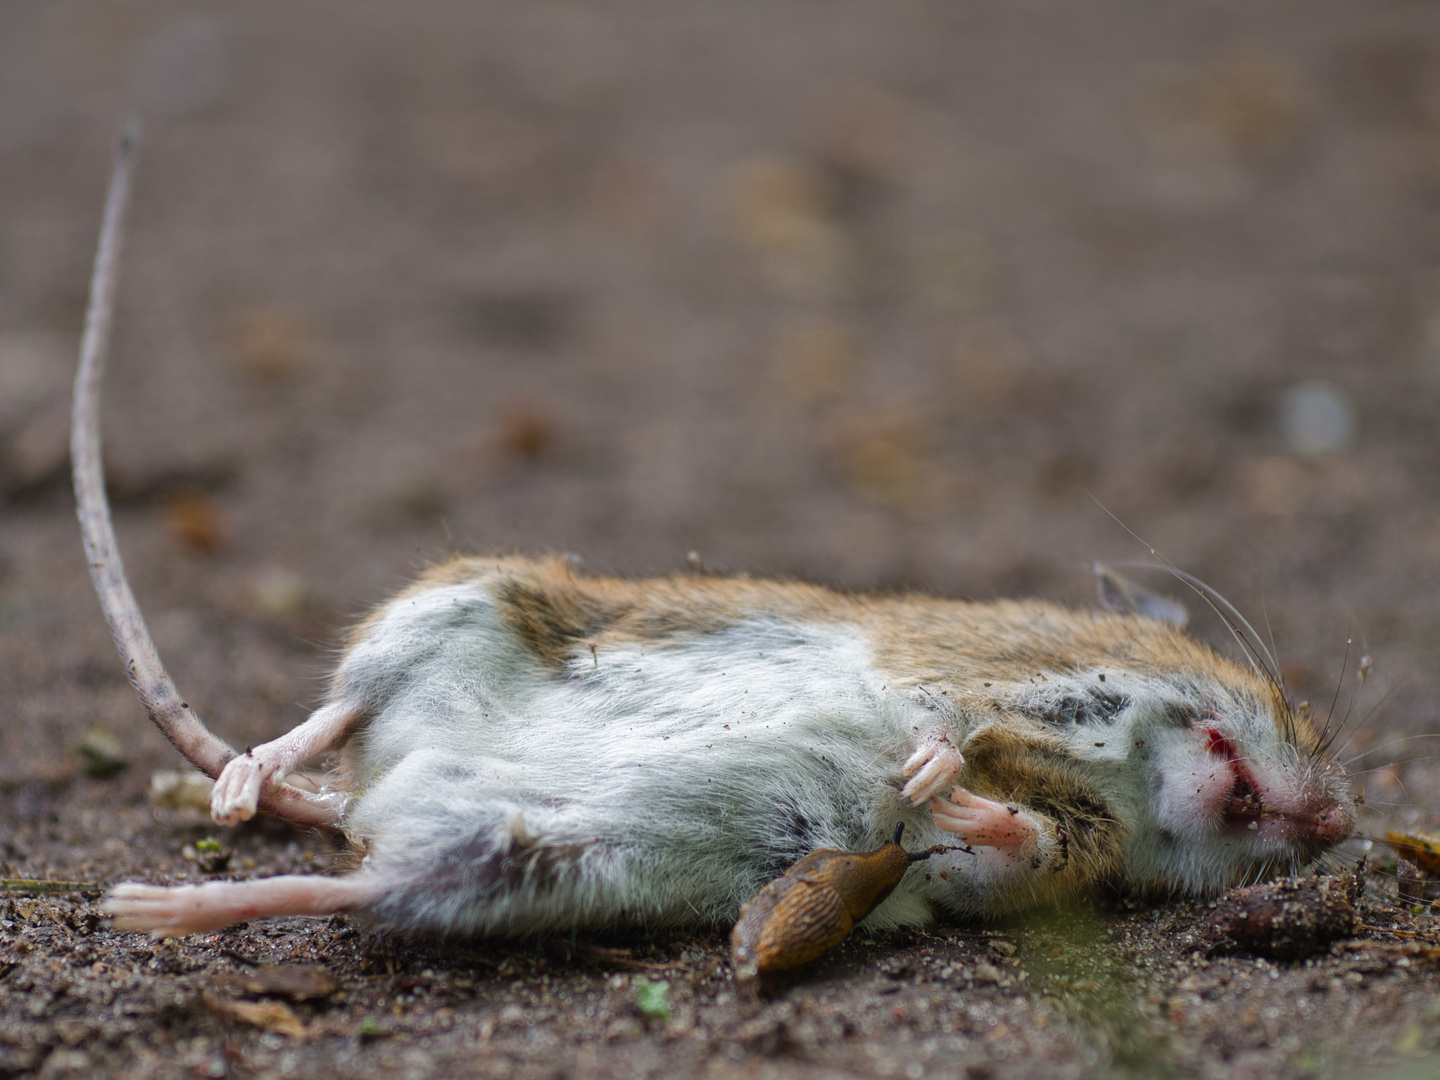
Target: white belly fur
{"points": [[684, 772]]}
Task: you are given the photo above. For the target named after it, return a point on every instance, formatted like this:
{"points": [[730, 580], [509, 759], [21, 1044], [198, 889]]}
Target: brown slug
{"points": [[812, 907]]}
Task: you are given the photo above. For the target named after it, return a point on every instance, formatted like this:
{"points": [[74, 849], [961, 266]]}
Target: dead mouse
{"points": [[526, 748]]}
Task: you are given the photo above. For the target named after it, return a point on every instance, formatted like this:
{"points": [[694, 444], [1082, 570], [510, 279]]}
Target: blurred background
{"points": [[904, 295]]}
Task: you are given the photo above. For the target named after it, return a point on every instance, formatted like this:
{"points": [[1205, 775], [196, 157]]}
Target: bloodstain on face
{"points": [[1243, 804]]}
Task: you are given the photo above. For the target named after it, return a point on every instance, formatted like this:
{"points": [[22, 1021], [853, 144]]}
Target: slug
{"points": [[811, 908]]}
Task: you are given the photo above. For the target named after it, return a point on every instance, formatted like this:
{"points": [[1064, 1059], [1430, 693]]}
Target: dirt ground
{"points": [[903, 295]]}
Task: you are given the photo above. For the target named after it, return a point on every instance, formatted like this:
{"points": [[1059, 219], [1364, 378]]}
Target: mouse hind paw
{"points": [[157, 910], [236, 794]]}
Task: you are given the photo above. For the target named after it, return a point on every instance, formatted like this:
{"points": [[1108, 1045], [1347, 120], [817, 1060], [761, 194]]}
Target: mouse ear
{"points": [[1126, 598]]}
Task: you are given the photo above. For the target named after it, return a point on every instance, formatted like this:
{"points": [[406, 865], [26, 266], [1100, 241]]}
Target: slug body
{"points": [[812, 907], [524, 749]]}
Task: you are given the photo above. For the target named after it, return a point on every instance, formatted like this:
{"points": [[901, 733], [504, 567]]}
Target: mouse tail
{"points": [[175, 719]]}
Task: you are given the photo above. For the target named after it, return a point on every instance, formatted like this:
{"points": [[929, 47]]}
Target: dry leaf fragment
{"points": [[273, 1016], [526, 431], [44, 886], [273, 344], [1422, 849], [1251, 99], [778, 202], [193, 520], [887, 454], [1418, 950], [298, 982], [1246, 102], [785, 209]]}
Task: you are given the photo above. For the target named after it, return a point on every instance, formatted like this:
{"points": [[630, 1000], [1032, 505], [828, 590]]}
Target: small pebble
{"points": [[1317, 418], [986, 972], [180, 790], [101, 753], [277, 593]]}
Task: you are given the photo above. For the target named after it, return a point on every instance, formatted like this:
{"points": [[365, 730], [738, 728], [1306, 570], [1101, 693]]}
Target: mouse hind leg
{"points": [[497, 873], [197, 909]]}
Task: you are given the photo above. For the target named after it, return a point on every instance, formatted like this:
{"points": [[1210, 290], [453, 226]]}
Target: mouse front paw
{"points": [[931, 769], [236, 794], [982, 822]]}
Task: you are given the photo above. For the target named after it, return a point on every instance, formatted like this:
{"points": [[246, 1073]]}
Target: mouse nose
{"points": [[1333, 823]]}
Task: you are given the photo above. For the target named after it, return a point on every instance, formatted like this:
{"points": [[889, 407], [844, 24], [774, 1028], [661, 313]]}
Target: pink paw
{"points": [[236, 794], [984, 822], [198, 909], [153, 909], [931, 769]]}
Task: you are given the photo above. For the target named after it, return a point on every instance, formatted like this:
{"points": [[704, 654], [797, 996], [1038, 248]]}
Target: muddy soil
{"points": [[927, 295]]}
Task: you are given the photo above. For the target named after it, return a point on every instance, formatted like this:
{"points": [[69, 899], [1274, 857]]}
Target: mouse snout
{"points": [[1331, 822], [1322, 813]]}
